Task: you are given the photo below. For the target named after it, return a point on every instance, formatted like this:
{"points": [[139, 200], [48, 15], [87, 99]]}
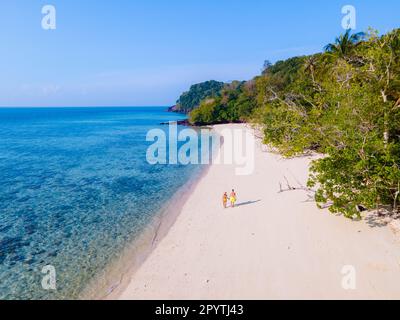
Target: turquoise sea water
{"points": [[75, 189]]}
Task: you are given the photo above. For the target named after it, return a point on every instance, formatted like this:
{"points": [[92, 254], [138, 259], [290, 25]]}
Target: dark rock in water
{"points": [[179, 123], [173, 109]]}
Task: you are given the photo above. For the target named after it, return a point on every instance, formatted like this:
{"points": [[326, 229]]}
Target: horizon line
{"points": [[92, 106]]}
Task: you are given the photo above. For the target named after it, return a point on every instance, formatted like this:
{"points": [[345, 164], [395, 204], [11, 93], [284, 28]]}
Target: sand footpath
{"points": [[274, 245]]}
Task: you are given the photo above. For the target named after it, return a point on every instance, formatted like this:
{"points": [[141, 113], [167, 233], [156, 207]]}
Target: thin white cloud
{"points": [[141, 86]]}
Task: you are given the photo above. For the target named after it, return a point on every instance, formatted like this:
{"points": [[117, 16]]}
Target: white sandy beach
{"points": [[273, 246]]}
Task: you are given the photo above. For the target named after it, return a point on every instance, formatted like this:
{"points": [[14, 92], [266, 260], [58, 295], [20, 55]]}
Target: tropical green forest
{"points": [[343, 103]]}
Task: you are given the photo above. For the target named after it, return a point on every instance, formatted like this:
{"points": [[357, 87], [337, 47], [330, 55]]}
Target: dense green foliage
{"points": [[343, 103], [235, 103], [191, 99]]}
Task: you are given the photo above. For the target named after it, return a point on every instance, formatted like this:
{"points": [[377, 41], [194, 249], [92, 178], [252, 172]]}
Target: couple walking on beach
{"points": [[232, 198]]}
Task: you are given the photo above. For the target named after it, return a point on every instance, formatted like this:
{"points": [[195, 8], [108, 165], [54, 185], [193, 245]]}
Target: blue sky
{"points": [[146, 52]]}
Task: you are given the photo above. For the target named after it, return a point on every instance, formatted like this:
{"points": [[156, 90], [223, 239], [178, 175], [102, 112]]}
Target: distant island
{"points": [[343, 103]]}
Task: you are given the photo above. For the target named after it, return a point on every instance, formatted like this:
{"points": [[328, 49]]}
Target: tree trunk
{"points": [[395, 206], [385, 120]]}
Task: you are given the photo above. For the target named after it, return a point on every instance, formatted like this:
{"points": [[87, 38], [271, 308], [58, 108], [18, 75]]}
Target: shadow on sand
{"points": [[246, 203], [376, 221]]}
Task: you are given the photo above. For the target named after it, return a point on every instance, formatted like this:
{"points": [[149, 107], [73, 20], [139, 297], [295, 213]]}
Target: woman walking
{"points": [[225, 200], [233, 198]]}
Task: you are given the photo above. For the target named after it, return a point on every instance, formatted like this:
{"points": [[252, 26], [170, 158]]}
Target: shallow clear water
{"points": [[75, 188]]}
